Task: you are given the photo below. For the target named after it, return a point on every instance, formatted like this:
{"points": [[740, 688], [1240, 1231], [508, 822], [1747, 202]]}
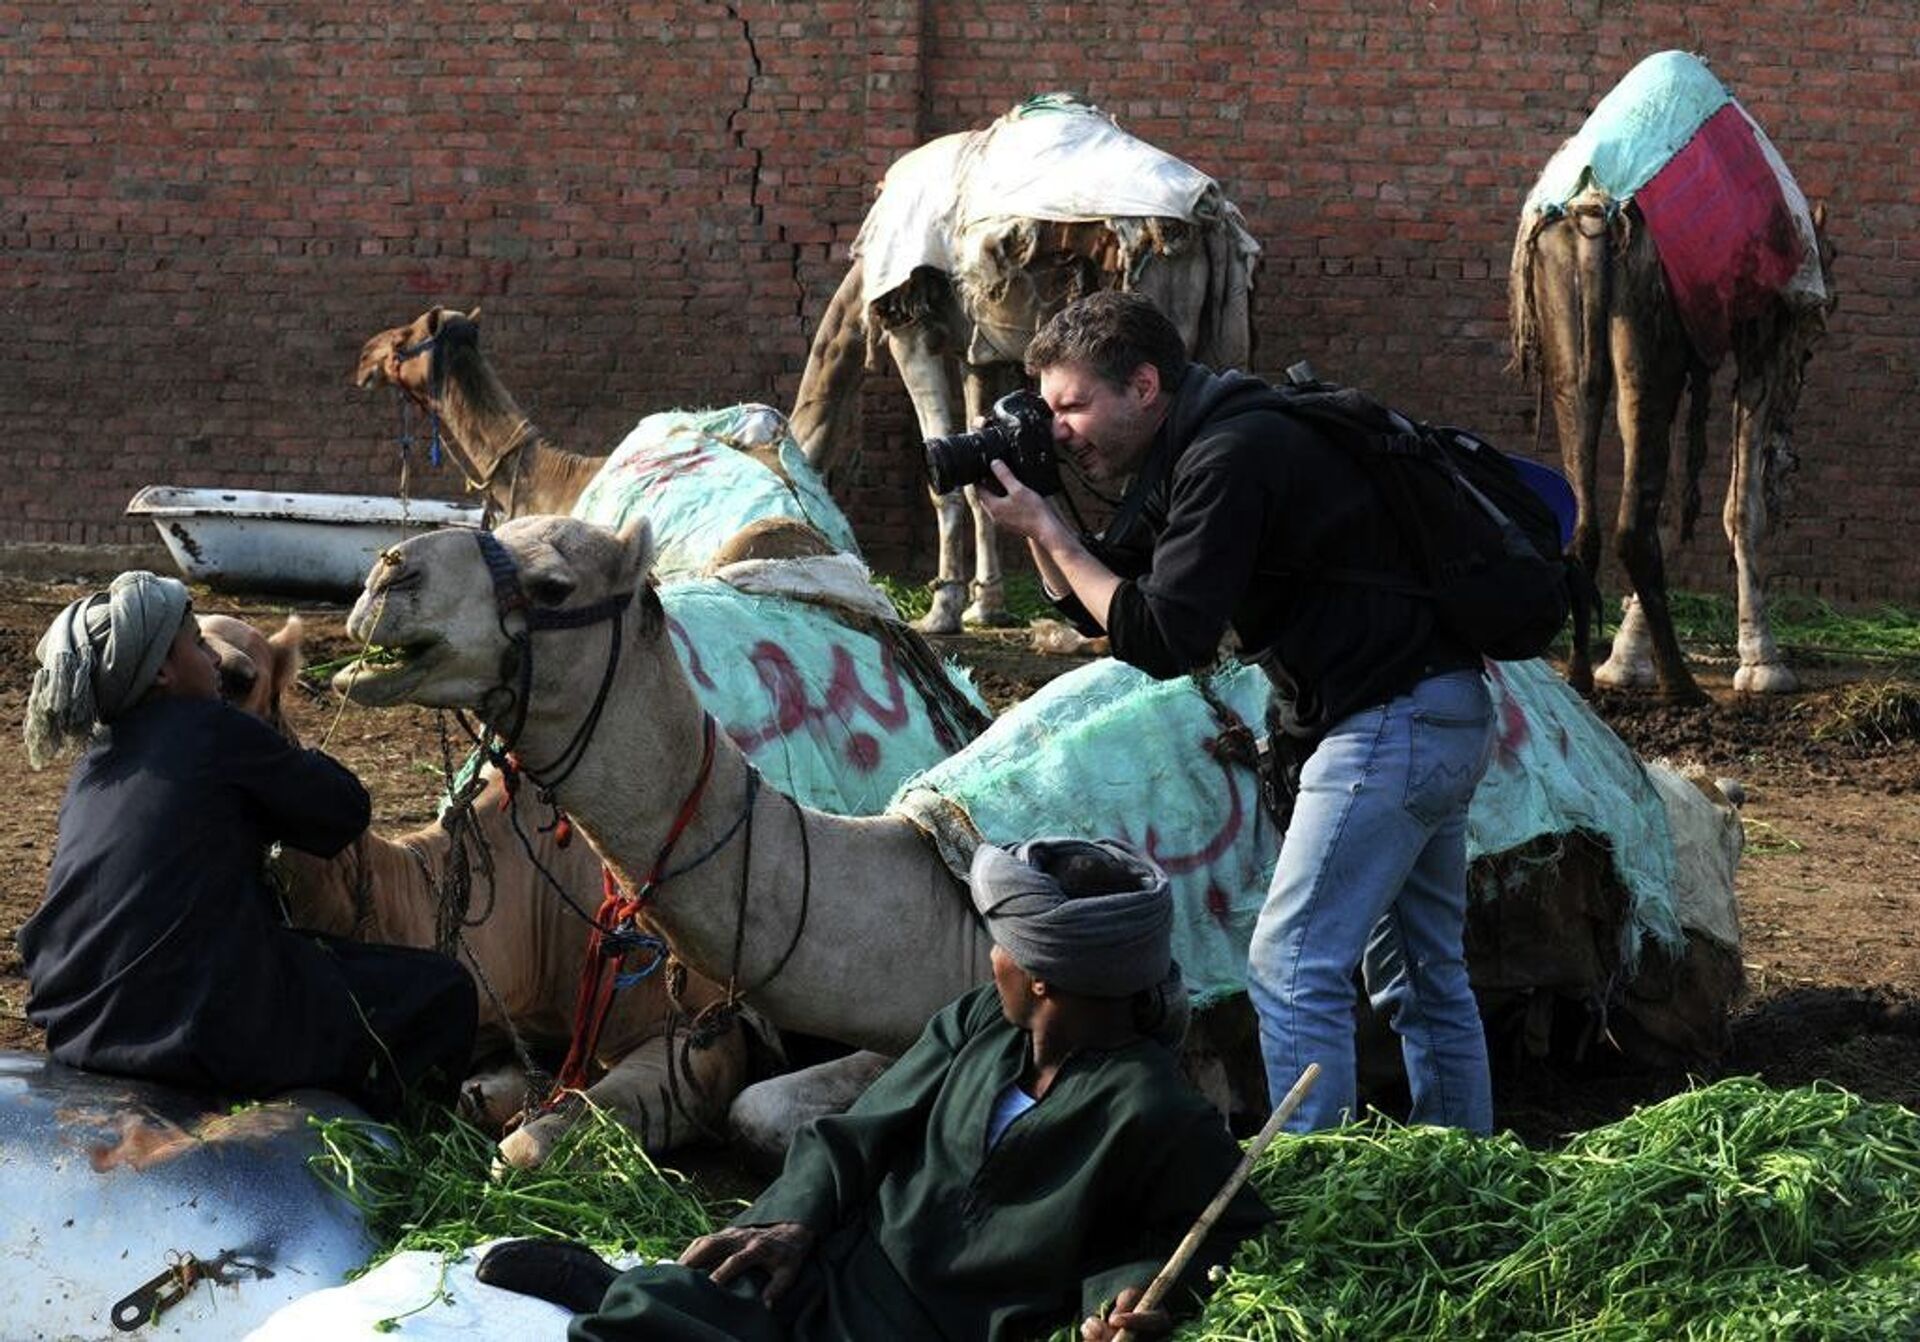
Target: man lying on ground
{"points": [[1034, 1157], [159, 950]]}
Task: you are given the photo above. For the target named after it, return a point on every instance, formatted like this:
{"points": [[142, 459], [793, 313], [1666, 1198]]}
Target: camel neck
{"points": [[503, 453]]}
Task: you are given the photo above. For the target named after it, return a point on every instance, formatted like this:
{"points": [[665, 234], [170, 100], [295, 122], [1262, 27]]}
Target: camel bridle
{"points": [[516, 663], [614, 930]]}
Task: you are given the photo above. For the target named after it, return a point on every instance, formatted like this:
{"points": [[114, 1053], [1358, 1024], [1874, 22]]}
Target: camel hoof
{"points": [[979, 617], [1685, 694], [943, 617], [489, 1101], [525, 1148], [1766, 678], [1614, 674]]}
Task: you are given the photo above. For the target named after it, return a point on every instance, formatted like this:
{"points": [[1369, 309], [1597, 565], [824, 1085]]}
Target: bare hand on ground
{"points": [[778, 1250]]}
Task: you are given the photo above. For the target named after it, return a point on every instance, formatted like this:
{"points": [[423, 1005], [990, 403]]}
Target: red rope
{"points": [[618, 909]]}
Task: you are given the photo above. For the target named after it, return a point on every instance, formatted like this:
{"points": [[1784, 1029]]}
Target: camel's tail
{"points": [[823, 409], [1523, 323]]}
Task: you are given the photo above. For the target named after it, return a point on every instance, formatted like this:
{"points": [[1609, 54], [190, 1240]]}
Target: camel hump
{"points": [[772, 538]]}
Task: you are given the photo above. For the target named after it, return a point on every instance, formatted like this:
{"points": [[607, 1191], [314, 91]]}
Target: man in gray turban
{"points": [[159, 951], [1032, 1159], [1088, 916], [99, 658]]}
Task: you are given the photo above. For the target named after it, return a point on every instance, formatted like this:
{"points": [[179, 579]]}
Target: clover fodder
{"points": [[435, 1189], [1729, 1212]]}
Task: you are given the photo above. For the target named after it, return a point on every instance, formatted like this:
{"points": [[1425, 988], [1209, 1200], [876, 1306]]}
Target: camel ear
{"points": [[458, 328], [287, 654], [636, 539]]}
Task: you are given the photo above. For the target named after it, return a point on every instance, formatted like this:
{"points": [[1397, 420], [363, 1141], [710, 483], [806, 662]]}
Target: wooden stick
{"points": [[1188, 1246]]}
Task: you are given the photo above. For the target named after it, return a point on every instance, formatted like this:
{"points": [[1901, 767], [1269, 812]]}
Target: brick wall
{"points": [[205, 208]]}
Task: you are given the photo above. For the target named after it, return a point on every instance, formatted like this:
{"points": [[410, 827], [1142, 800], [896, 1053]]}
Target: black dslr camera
{"points": [[1020, 434]]}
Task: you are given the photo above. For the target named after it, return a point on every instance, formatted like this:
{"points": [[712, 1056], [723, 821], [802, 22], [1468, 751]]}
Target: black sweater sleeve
{"points": [[1170, 620], [302, 797]]}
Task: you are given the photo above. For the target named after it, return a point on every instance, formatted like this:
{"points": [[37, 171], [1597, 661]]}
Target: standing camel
{"points": [[853, 928], [1664, 234], [973, 242]]}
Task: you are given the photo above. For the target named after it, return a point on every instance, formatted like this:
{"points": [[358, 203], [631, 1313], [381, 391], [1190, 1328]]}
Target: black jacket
{"points": [[160, 952], [1242, 504]]}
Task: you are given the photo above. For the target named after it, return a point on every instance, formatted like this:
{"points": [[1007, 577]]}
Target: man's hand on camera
{"points": [[1019, 509], [1063, 561]]}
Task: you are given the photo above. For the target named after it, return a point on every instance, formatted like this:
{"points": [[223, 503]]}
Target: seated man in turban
{"points": [[1033, 1158], [160, 951]]}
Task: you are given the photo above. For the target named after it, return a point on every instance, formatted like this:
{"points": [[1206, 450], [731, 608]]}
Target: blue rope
{"points": [[618, 944]]}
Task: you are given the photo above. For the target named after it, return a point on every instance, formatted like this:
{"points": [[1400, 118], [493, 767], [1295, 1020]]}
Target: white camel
{"points": [[786, 901], [851, 928], [974, 241]]}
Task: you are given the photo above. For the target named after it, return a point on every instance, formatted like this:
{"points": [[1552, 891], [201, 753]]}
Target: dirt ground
{"points": [[1829, 889]]}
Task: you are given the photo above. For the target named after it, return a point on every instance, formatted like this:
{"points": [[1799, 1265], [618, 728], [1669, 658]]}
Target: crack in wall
{"points": [[758, 157], [746, 100]]}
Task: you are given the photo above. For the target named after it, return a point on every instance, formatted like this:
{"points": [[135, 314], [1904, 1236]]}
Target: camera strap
{"points": [[1134, 502]]}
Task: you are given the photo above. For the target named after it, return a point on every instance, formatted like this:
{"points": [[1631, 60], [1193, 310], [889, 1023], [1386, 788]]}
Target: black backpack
{"points": [[1483, 546]]}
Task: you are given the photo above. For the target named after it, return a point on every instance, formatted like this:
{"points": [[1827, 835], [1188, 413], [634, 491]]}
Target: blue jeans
{"points": [[1373, 873]]}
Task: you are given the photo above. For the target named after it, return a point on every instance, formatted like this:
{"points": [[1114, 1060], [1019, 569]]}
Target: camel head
{"points": [[386, 358], [445, 636], [256, 671]]}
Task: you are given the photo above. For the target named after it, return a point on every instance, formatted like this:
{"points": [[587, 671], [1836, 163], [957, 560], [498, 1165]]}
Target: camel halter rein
{"points": [[610, 937], [430, 347]]}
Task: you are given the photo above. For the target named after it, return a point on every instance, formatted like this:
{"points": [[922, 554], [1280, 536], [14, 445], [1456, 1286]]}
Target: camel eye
{"points": [[549, 591]]}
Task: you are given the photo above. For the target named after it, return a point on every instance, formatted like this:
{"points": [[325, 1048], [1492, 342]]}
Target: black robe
{"points": [[160, 951], [926, 1233]]}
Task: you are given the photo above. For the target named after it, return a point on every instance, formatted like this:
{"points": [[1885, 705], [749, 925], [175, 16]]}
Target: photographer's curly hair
{"points": [[1113, 333]]}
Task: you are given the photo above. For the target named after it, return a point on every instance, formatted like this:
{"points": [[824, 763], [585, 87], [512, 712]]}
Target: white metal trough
{"points": [[130, 1209], [312, 544]]}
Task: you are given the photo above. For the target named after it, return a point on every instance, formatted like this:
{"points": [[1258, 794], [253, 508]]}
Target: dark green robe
{"points": [[925, 1233]]}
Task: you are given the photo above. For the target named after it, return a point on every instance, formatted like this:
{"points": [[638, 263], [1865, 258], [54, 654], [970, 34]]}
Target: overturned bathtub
{"points": [[301, 544]]}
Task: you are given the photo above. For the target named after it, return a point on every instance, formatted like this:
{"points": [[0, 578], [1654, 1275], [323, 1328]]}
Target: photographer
{"points": [[1239, 516]]}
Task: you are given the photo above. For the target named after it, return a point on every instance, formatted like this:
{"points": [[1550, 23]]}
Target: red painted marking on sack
{"points": [[1176, 864], [794, 710], [652, 473]]}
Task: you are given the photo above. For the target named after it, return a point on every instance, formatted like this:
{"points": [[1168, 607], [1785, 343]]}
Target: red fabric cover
{"points": [[1723, 229]]}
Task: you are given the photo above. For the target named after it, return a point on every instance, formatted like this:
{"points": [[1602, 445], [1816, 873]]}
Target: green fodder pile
{"points": [[1870, 713], [432, 1190], [1732, 1212]]}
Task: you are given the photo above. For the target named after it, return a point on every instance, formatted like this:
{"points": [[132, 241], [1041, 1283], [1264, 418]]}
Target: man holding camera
{"points": [[1241, 517]]}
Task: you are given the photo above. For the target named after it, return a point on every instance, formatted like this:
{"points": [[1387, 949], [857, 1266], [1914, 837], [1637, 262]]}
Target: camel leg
{"points": [[491, 1097], [1630, 664], [641, 1092], [1762, 669], [984, 384], [923, 368], [1570, 284], [765, 1116], [1651, 366]]}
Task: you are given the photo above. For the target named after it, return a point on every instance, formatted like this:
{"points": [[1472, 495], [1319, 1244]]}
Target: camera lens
{"points": [[960, 459]]}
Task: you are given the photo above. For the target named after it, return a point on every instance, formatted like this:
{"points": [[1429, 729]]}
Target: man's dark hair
{"points": [[1112, 333]]}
